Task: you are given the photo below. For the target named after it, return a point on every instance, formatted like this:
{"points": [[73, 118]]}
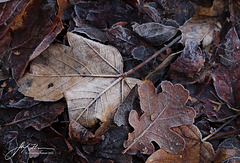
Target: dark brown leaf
{"points": [[228, 151], [104, 13], [155, 33], [91, 32], [189, 63], [226, 76], [111, 147], [78, 132], [177, 10], [30, 34], [39, 117], [121, 115], [122, 38], [161, 112]]}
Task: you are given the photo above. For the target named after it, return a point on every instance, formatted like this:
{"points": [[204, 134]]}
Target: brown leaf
{"points": [[226, 76], [38, 117], [228, 151], [87, 74], [30, 34], [155, 33], [103, 13], [195, 151], [217, 8], [200, 29], [161, 112], [80, 133], [189, 63]]}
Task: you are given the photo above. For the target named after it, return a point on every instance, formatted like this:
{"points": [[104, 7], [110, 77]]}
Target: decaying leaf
{"points": [[121, 115], [228, 151], [161, 112], [87, 74], [226, 76], [39, 117], [189, 63], [195, 151], [200, 29], [103, 13], [155, 33]]}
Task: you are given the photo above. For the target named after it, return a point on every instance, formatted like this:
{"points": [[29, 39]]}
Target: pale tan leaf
{"points": [[195, 151], [200, 29], [87, 74]]}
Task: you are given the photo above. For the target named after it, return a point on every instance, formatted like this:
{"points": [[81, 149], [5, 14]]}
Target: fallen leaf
{"points": [[155, 33], [200, 29], [190, 62], [87, 74], [195, 150], [30, 34], [103, 14], [111, 147], [228, 151], [226, 75], [161, 112], [92, 32], [80, 133], [179, 11], [152, 12], [216, 9], [122, 38], [121, 115], [38, 117]]}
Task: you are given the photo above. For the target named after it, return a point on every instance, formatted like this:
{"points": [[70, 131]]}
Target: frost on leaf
{"points": [[195, 150], [202, 30], [161, 112], [87, 74], [226, 75]]}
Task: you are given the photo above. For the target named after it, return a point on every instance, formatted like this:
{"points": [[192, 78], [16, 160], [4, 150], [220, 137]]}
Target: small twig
{"points": [[207, 137], [150, 58], [225, 134]]}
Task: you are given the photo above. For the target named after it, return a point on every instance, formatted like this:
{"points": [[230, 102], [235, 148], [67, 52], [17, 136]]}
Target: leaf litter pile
{"points": [[120, 81]]}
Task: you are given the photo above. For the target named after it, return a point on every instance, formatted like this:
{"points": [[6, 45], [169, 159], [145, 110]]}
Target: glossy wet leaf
{"points": [[161, 112]]}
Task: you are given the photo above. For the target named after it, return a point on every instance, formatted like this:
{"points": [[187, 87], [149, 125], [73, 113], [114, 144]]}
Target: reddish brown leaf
{"points": [[196, 150], [226, 76], [8, 12], [189, 63], [228, 151], [161, 112], [33, 25], [39, 117], [78, 132]]}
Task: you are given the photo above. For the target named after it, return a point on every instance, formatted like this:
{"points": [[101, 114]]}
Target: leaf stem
{"points": [[150, 58]]}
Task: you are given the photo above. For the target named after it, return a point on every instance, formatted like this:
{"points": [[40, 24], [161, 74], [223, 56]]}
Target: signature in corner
{"points": [[23, 146]]}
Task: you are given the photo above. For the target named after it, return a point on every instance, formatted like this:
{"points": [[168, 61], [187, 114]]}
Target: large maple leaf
{"points": [[161, 112], [87, 74]]}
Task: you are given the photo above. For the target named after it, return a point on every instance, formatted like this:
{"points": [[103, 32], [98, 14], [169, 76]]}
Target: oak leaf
{"points": [[87, 74], [161, 112], [195, 150]]}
